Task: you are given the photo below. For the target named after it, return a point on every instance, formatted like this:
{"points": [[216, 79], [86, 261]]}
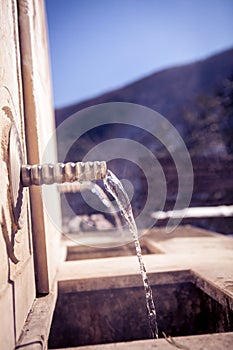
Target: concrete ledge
{"points": [[36, 329], [217, 341], [208, 255]]}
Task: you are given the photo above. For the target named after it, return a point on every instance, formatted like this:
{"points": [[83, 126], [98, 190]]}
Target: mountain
{"points": [[167, 91], [197, 99]]}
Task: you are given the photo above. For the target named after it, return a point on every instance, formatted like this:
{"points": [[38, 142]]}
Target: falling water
{"points": [[97, 190], [72, 187], [115, 188]]}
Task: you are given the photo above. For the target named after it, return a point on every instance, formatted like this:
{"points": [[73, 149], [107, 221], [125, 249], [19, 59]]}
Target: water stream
{"points": [[97, 190], [115, 188], [73, 187]]}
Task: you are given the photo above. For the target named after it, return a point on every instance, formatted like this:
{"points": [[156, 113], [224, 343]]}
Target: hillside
{"points": [[171, 92], [197, 99]]}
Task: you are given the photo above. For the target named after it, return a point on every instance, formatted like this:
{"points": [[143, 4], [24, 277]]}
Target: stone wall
{"points": [[28, 255]]}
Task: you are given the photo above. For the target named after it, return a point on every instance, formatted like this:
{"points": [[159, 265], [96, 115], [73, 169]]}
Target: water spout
{"points": [[62, 172]]}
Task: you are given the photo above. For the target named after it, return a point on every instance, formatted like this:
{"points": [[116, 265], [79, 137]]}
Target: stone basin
{"points": [[186, 305], [81, 252], [100, 303]]}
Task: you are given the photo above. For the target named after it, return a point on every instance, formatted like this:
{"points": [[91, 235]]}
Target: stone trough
{"points": [[101, 301], [186, 305]]}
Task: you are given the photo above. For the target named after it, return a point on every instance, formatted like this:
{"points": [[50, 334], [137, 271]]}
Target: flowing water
{"points": [[115, 188], [72, 187], [97, 190]]}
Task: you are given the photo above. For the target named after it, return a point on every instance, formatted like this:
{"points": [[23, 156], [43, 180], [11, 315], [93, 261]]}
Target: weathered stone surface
{"points": [[17, 284], [221, 341], [25, 102], [193, 276], [36, 328], [39, 128], [119, 314]]}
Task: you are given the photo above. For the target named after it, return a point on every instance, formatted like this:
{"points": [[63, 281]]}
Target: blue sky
{"points": [[98, 45]]}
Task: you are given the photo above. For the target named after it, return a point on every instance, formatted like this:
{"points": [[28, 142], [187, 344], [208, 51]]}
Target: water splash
{"points": [[115, 188], [97, 190], [73, 187]]}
